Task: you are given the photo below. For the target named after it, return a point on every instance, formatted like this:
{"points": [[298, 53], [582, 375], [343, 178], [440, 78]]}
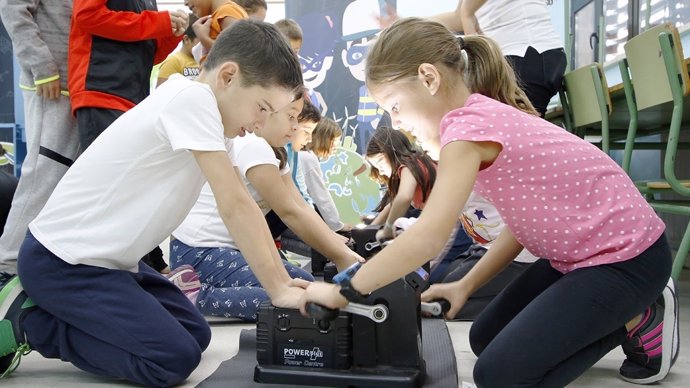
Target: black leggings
{"points": [[546, 328]]}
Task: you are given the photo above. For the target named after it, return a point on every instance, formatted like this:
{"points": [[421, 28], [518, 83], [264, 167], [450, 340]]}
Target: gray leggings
{"points": [[52, 144]]}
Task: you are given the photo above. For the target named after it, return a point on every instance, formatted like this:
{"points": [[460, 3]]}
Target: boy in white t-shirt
{"points": [[229, 286], [95, 305]]}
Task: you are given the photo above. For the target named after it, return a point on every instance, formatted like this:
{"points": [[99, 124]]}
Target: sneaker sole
{"points": [[670, 343], [8, 294]]}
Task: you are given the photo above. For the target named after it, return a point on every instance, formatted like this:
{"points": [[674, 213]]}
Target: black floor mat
{"points": [[441, 367]]}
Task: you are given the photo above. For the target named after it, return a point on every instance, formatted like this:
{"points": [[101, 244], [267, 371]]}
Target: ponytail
{"points": [[489, 73]]}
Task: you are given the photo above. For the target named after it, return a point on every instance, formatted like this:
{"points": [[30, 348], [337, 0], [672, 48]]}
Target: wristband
{"points": [[388, 225], [350, 293]]}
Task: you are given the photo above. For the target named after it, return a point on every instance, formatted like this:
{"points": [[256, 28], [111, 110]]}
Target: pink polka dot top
{"points": [[562, 198]]}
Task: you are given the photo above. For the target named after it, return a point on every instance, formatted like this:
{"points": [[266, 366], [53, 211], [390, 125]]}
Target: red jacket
{"points": [[112, 47]]}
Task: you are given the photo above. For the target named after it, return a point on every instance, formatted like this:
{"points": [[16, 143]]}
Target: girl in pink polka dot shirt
{"points": [[604, 277]]}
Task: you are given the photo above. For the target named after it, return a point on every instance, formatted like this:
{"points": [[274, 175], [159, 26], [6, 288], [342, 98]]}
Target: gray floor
{"points": [[36, 371]]}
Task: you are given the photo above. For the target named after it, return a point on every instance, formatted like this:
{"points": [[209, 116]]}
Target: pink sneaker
{"points": [[187, 280]]}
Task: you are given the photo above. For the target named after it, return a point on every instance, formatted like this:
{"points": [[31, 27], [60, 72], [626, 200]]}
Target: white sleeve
{"points": [[250, 151], [198, 52], [316, 187], [199, 129]]}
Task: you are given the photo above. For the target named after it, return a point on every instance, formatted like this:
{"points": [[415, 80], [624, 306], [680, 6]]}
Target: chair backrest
{"points": [[648, 70], [587, 94]]}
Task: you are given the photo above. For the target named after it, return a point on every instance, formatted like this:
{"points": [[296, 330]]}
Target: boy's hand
{"points": [[178, 22], [325, 294], [289, 297], [298, 282], [49, 90], [452, 292]]}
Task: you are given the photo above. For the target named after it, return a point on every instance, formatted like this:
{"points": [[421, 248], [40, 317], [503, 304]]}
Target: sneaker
{"points": [[187, 280], [14, 303], [652, 346]]}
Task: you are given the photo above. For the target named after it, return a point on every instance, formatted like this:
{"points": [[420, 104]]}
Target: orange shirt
{"points": [[229, 9]]}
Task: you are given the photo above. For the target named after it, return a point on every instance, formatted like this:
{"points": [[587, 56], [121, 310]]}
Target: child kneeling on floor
{"points": [[606, 261], [87, 298]]}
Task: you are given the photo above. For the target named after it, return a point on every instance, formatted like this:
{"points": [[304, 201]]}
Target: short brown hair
{"points": [[323, 136], [262, 53], [252, 6], [289, 28], [310, 113]]}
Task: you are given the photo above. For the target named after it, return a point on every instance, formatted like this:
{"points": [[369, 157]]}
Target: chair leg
{"points": [[681, 255]]}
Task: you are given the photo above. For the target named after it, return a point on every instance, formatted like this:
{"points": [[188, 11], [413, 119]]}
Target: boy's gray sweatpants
{"points": [[52, 143]]}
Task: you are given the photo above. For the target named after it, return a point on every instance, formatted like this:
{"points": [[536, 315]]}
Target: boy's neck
{"points": [[215, 4]]}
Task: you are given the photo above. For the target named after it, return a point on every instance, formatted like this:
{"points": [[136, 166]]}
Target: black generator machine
{"points": [[374, 344]]}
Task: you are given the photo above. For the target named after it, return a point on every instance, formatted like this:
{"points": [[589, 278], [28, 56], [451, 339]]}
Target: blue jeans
{"points": [[545, 328], [134, 326], [229, 288]]}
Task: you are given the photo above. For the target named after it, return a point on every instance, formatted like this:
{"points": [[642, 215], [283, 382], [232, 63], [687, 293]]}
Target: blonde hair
{"points": [[289, 28], [409, 42], [323, 136]]}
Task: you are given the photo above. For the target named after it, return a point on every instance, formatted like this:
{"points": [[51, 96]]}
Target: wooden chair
{"points": [[587, 105], [657, 85]]}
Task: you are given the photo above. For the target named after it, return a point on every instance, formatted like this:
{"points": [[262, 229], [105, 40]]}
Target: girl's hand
{"points": [[385, 233], [324, 294], [452, 292]]}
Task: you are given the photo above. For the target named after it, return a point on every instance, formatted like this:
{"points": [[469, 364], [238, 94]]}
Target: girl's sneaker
{"points": [[652, 346], [13, 344], [187, 280]]}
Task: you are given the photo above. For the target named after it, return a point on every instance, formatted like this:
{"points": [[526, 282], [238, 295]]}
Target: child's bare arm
{"points": [[282, 196], [399, 204]]}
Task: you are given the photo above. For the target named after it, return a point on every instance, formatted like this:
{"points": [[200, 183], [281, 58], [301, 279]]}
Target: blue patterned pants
{"points": [[229, 288]]}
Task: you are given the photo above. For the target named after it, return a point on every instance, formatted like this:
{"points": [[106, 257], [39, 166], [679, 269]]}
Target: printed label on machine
{"points": [[307, 355]]}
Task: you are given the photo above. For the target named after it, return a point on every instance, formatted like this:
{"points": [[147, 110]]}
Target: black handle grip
{"points": [[445, 305], [321, 312]]}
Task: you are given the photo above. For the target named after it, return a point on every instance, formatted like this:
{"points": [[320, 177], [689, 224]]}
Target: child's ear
{"points": [[430, 77], [228, 72]]}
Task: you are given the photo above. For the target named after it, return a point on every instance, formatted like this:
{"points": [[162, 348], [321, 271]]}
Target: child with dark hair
{"points": [[408, 174], [88, 300], [182, 62]]}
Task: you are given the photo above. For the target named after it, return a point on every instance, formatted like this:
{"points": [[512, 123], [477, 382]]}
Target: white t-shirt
{"points": [[136, 182], [203, 226], [518, 24], [483, 224], [316, 187]]}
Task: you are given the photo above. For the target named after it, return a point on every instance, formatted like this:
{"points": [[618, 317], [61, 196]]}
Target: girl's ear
{"points": [[430, 77]]}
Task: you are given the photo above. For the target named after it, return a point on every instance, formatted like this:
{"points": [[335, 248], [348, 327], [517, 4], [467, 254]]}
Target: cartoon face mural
{"points": [[344, 29], [316, 55], [360, 28]]}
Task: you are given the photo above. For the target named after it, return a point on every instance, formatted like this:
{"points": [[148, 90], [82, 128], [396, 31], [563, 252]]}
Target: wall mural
{"points": [[337, 36]]}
